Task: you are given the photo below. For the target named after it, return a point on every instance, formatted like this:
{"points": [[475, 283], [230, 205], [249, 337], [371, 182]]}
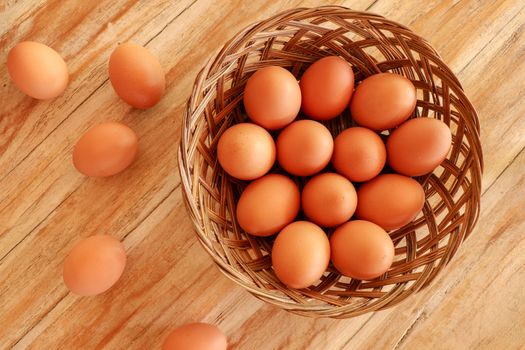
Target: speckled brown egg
{"points": [[196, 336], [418, 146], [272, 97], [390, 200], [94, 265], [361, 249], [105, 150], [136, 75], [246, 151], [300, 254], [268, 204], [37, 70], [329, 199], [359, 154], [304, 147], [383, 101], [326, 88]]}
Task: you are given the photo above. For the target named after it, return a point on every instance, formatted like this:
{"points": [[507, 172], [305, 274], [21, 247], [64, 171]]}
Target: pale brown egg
{"points": [[300, 254], [196, 336], [326, 88], [136, 75], [329, 199], [361, 250], [105, 150], [390, 200], [383, 101], [268, 204], [272, 97], [359, 154], [304, 147], [94, 265], [418, 146], [246, 151], [37, 70]]}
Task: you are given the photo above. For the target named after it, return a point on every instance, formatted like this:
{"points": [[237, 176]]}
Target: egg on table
{"points": [[418, 146], [136, 75], [94, 265], [246, 151], [326, 88], [268, 204], [272, 97], [196, 336], [361, 250], [390, 200], [105, 150], [359, 154], [304, 147], [329, 199], [300, 254], [37, 70], [383, 101]]}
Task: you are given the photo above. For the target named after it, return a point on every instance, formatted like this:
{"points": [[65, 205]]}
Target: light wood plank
{"points": [[45, 206], [485, 310], [31, 190]]}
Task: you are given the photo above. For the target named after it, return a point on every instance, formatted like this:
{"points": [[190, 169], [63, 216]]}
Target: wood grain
{"points": [[46, 206]]}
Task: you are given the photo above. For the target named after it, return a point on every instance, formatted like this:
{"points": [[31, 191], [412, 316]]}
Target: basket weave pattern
{"points": [[372, 44]]}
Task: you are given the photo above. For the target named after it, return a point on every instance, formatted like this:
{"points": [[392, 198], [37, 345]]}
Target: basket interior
{"points": [[371, 44]]}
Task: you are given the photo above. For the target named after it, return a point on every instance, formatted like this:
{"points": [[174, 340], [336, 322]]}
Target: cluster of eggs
{"points": [[96, 263], [360, 248], [136, 76]]}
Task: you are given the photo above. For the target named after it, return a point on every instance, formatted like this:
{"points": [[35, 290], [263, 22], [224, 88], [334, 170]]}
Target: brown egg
{"points": [[196, 336], [246, 151], [304, 147], [326, 88], [94, 265], [361, 250], [390, 200], [329, 199], [359, 154], [418, 146], [272, 97], [300, 254], [383, 101], [37, 70], [268, 204], [105, 150], [136, 75]]}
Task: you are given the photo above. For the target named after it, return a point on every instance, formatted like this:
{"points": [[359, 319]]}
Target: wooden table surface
{"points": [[46, 206]]}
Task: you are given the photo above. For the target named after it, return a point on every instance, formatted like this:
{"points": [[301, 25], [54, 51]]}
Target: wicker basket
{"points": [[294, 39]]}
